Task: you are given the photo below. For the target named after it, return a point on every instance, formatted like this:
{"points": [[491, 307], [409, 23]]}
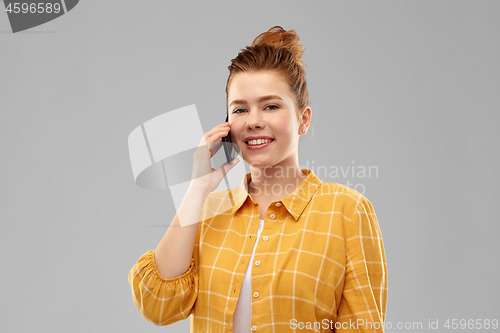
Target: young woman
{"points": [[291, 252]]}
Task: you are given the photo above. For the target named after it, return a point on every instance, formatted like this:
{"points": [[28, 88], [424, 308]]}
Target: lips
{"points": [[261, 146], [246, 141], [262, 137]]}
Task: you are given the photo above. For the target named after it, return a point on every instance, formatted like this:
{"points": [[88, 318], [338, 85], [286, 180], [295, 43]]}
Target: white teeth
{"points": [[258, 142]]}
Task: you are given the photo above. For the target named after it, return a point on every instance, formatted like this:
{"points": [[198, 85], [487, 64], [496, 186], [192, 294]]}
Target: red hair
{"points": [[276, 50]]}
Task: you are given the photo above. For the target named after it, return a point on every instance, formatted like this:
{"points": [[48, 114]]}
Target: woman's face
{"points": [[262, 104]]}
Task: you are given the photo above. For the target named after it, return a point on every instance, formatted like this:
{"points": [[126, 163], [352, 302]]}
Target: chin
{"points": [[260, 164]]}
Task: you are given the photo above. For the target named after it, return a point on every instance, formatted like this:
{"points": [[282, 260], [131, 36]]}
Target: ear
{"points": [[306, 116]]}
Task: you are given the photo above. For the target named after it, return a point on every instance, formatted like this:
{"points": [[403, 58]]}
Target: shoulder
{"points": [[340, 192], [217, 196], [343, 198]]}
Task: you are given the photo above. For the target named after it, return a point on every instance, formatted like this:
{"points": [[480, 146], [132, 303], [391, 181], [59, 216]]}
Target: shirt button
{"points": [[272, 216], [265, 238], [278, 204], [257, 263], [255, 294], [254, 328]]}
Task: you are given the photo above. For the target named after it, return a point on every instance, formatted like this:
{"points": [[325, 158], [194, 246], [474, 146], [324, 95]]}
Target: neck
{"points": [[275, 181]]}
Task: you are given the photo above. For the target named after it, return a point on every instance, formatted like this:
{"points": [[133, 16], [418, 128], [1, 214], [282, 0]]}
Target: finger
{"points": [[215, 146], [235, 161], [216, 132], [224, 128], [227, 167], [217, 137], [223, 131], [214, 142]]}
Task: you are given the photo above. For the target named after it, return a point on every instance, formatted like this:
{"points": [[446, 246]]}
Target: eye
{"points": [[235, 111], [274, 107]]}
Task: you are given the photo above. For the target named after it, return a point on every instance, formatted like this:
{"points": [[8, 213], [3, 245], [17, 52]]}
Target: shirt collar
{"points": [[294, 203]]}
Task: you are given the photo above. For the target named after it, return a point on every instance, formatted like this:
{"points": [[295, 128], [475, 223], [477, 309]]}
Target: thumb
{"points": [[235, 162], [225, 167], [228, 167]]}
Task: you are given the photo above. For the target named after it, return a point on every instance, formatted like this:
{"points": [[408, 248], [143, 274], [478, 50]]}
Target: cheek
{"points": [[285, 128]]}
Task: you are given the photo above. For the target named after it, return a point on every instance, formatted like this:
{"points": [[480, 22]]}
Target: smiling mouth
{"points": [[256, 143]]}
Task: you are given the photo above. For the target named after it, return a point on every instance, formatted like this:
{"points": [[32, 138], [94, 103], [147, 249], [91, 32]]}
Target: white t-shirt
{"points": [[242, 317]]}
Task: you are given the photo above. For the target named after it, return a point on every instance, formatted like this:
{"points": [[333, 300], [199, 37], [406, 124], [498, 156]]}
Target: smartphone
{"points": [[228, 149]]}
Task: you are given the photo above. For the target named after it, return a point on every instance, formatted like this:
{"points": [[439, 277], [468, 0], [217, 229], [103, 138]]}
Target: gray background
{"points": [[411, 87]]}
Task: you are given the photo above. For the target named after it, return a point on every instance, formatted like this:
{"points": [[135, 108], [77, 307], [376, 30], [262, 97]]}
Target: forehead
{"points": [[255, 84]]}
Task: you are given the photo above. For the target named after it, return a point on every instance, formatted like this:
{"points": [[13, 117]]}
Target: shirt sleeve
{"points": [[162, 301], [364, 297]]}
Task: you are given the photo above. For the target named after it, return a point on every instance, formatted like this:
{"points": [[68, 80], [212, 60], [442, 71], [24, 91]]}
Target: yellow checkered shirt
{"points": [[319, 265]]}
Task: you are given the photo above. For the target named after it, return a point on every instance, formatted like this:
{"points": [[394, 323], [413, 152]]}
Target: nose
{"points": [[254, 120]]}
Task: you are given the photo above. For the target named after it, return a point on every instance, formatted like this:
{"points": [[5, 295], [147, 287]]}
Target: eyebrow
{"points": [[261, 99]]}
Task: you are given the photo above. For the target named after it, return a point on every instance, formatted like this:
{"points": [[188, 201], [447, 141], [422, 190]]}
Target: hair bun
{"points": [[280, 38]]}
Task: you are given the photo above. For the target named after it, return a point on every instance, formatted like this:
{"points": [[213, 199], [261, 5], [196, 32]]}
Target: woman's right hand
{"points": [[204, 177]]}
